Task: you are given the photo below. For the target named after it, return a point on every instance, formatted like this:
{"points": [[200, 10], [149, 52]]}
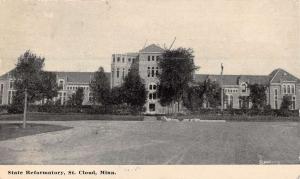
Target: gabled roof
{"points": [[279, 75], [233, 79], [152, 49], [78, 77]]}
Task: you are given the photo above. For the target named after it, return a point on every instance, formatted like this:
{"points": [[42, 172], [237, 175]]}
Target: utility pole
{"points": [[25, 109], [222, 101]]}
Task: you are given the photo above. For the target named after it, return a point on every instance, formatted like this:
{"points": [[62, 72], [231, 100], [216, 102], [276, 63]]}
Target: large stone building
{"points": [[279, 82], [147, 63]]}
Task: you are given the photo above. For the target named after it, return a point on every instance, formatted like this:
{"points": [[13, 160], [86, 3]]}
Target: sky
{"points": [[247, 36]]}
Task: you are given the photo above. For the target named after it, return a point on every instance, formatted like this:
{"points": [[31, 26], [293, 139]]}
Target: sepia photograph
{"points": [[149, 82]]}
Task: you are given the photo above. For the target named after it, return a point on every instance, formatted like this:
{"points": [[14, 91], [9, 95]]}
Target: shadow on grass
{"points": [[13, 130]]}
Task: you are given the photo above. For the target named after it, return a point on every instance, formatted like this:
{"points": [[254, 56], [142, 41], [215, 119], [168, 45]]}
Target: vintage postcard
{"points": [[149, 88]]}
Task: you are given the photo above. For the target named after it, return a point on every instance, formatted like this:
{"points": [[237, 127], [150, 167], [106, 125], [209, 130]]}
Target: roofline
{"points": [[275, 75]]}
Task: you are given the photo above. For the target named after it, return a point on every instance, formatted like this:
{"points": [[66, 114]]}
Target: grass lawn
{"points": [[70, 117], [9, 131]]}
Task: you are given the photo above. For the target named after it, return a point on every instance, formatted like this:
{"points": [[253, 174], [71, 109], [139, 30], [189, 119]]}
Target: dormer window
{"points": [[244, 87], [61, 83]]}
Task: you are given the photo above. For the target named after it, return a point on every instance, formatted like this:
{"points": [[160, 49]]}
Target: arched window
{"points": [[288, 89]]}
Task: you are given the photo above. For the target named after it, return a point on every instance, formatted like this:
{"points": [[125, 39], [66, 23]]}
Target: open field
{"points": [[145, 142]]}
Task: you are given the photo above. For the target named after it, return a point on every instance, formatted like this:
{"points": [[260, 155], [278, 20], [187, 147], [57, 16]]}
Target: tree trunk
{"points": [[25, 110]]}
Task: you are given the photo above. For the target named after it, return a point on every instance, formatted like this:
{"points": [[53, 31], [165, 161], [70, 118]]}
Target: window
{"points": [[154, 95], [118, 59], [150, 95], [294, 102], [113, 73], [154, 87], [11, 84], [90, 97], [123, 73], [118, 72], [123, 59], [10, 96], [152, 107], [157, 58], [114, 58], [288, 89], [148, 71], [149, 58], [133, 59], [293, 89], [156, 71], [244, 88], [153, 58], [1, 93], [284, 89], [276, 98], [152, 71], [150, 87], [231, 101], [61, 83], [129, 59]]}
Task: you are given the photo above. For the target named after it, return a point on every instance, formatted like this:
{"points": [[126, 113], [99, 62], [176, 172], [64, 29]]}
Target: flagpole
{"points": [[222, 101]]}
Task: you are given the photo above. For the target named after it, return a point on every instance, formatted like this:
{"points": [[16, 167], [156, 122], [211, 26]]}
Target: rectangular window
{"points": [[123, 73], [9, 97], [288, 89], [118, 72], [152, 71], [123, 59], [154, 95], [293, 89], [150, 95], [148, 71], [156, 71], [114, 58], [1, 93], [149, 58], [11, 84], [294, 102], [118, 59], [129, 59], [275, 98], [284, 89], [153, 58], [150, 87]]}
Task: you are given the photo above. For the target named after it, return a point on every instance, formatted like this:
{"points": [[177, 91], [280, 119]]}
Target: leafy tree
{"points": [[258, 96], [100, 87], [134, 90], [207, 91], [193, 97], [77, 98], [49, 88], [177, 68], [27, 75], [212, 93], [286, 102], [116, 96]]}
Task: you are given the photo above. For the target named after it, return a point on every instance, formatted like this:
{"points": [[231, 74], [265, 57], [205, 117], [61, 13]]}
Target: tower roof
{"points": [[152, 49]]}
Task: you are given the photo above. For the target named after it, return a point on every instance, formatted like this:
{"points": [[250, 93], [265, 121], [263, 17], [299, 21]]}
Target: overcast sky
{"points": [[248, 36]]}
